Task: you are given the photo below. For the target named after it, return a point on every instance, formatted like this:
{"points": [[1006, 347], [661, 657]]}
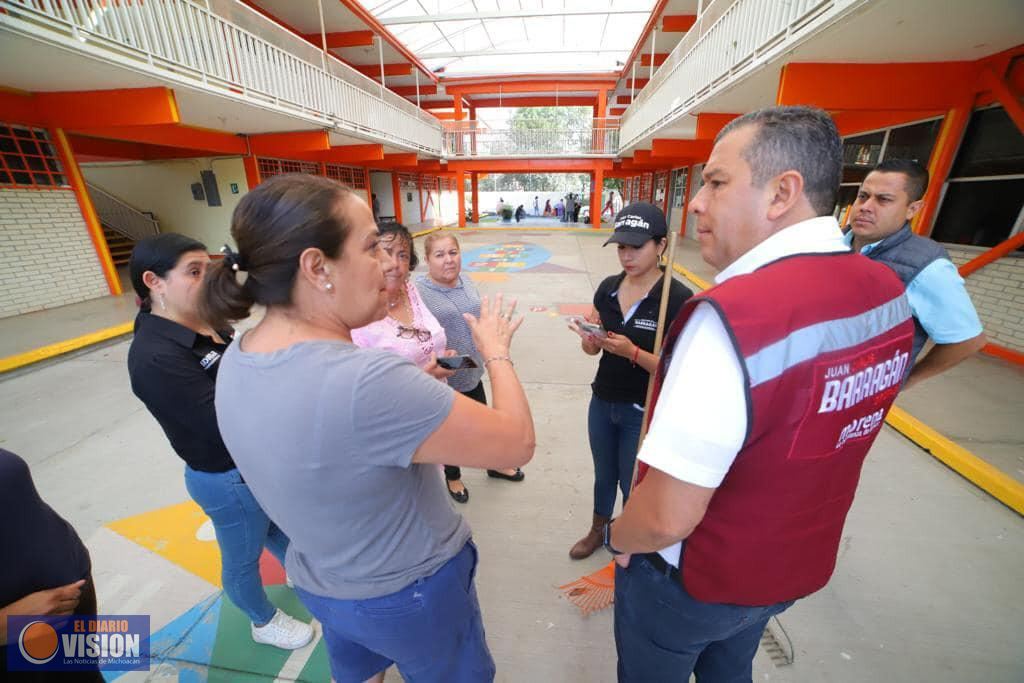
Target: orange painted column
{"points": [[460, 194], [419, 191], [941, 162], [92, 221], [596, 190], [252, 171], [668, 183], [686, 201], [474, 181], [396, 196]]}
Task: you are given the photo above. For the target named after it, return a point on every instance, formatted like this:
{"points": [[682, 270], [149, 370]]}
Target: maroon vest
{"points": [[823, 340]]}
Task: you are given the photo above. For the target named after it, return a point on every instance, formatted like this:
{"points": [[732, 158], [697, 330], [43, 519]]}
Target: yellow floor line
{"points": [[988, 478], [998, 484], [19, 360], [421, 233]]}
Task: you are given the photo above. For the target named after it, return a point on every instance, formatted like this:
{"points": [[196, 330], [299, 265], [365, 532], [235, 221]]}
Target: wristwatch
{"points": [[608, 539]]}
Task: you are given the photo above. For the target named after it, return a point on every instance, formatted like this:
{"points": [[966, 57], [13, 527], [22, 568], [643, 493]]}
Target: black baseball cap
{"points": [[637, 223]]}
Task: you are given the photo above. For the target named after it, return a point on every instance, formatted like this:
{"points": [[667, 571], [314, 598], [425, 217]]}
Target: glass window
{"points": [[863, 150], [981, 213], [913, 142], [992, 145], [844, 202]]}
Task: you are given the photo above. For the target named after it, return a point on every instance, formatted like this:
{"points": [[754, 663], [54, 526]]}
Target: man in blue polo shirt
{"points": [[888, 199]]}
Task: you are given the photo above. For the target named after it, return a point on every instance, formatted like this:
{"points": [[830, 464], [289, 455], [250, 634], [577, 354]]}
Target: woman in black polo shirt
{"points": [[626, 306], [173, 364]]}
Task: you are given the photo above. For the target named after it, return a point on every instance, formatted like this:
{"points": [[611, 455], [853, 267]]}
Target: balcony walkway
{"points": [[927, 586]]}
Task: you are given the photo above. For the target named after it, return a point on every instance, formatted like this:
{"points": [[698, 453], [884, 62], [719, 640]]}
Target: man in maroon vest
{"points": [[771, 389]]}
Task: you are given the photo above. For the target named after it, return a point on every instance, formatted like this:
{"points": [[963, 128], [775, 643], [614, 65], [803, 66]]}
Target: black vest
{"points": [[908, 254]]}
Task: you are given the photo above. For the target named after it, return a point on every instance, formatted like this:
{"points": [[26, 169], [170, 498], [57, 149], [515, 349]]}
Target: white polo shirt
{"points": [[701, 418]]}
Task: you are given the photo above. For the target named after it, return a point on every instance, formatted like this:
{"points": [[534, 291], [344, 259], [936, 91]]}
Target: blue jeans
{"points": [[432, 629], [662, 633], [243, 529], [614, 428]]}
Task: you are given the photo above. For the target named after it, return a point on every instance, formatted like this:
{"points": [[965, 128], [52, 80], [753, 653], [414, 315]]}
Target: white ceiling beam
{"points": [[519, 51], [505, 14]]}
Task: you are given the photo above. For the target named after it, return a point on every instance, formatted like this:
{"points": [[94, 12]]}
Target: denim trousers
{"points": [[243, 530], [662, 633], [432, 629], [614, 429]]}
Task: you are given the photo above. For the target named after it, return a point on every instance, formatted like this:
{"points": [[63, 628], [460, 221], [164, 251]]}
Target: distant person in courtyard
{"points": [[536, 206], [500, 207], [520, 213], [173, 363], [888, 199], [743, 488], [548, 211], [560, 209]]}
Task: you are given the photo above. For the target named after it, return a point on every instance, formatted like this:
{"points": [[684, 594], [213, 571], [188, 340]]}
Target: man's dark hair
{"points": [[916, 175], [802, 139]]}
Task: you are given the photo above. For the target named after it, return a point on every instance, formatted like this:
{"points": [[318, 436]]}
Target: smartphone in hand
{"points": [[591, 328], [456, 362]]}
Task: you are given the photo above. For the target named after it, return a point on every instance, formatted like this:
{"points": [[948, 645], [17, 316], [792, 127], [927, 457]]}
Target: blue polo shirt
{"points": [[939, 300]]}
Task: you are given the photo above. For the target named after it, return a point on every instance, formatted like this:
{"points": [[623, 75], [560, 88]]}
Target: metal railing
{"points": [[600, 137], [730, 39], [226, 47], [121, 217]]}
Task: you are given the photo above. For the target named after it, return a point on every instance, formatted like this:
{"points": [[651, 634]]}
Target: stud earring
{"points": [[163, 302], [329, 286]]}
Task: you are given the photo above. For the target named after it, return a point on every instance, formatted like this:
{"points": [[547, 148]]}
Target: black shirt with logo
{"points": [[617, 378], [173, 371]]}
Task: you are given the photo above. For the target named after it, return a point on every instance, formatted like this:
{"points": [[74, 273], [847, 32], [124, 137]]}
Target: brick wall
{"points": [[46, 256], [997, 291]]}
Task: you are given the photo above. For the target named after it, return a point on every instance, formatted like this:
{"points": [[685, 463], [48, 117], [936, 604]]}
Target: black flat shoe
{"points": [[518, 476], [460, 497]]}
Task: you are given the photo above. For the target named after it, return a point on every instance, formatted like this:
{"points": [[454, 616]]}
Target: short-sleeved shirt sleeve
{"points": [[700, 420], [395, 407], [939, 301]]}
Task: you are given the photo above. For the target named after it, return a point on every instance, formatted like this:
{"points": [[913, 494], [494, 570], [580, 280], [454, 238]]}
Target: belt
{"points": [[659, 563]]}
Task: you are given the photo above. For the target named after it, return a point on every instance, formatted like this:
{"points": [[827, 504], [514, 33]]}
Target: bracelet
{"points": [[636, 354], [494, 358]]}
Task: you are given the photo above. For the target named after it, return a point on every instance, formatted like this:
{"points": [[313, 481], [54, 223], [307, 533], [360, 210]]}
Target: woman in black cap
{"points": [[626, 308]]}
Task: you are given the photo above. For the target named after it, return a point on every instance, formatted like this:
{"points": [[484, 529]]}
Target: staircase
{"points": [[120, 246], [123, 224]]}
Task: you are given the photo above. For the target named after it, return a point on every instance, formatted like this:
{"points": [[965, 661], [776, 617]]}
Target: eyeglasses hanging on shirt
{"points": [[413, 332]]}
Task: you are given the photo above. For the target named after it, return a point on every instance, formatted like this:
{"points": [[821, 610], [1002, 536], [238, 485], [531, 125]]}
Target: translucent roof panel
{"points": [[464, 37]]}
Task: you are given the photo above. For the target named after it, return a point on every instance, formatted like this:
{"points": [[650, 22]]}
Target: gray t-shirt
{"points": [[324, 433]]}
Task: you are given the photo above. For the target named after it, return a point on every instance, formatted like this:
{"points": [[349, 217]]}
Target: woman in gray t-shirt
{"points": [[340, 444]]}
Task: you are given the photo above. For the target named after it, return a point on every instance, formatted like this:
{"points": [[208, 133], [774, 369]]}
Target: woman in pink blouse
{"points": [[409, 329]]}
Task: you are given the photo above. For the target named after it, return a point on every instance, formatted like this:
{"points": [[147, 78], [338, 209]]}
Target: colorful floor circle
{"points": [[505, 257]]}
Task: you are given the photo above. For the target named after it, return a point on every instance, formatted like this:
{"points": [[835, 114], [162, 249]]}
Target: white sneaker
{"points": [[283, 631]]}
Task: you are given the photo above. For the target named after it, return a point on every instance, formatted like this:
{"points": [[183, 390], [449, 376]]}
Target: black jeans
{"points": [[452, 472]]}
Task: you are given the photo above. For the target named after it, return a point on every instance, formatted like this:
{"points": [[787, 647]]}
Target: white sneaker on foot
{"points": [[283, 631]]}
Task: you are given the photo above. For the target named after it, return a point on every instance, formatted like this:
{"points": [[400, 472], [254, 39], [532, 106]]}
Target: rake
{"points": [[594, 592]]}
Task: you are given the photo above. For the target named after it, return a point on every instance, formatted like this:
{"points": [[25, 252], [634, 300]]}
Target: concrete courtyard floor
{"points": [[927, 588]]}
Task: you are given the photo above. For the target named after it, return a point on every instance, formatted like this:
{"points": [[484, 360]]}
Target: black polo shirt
{"points": [[173, 371], [617, 379], [42, 549]]}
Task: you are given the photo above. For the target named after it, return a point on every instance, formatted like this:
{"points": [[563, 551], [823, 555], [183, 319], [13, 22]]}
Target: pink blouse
{"points": [[384, 334]]}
